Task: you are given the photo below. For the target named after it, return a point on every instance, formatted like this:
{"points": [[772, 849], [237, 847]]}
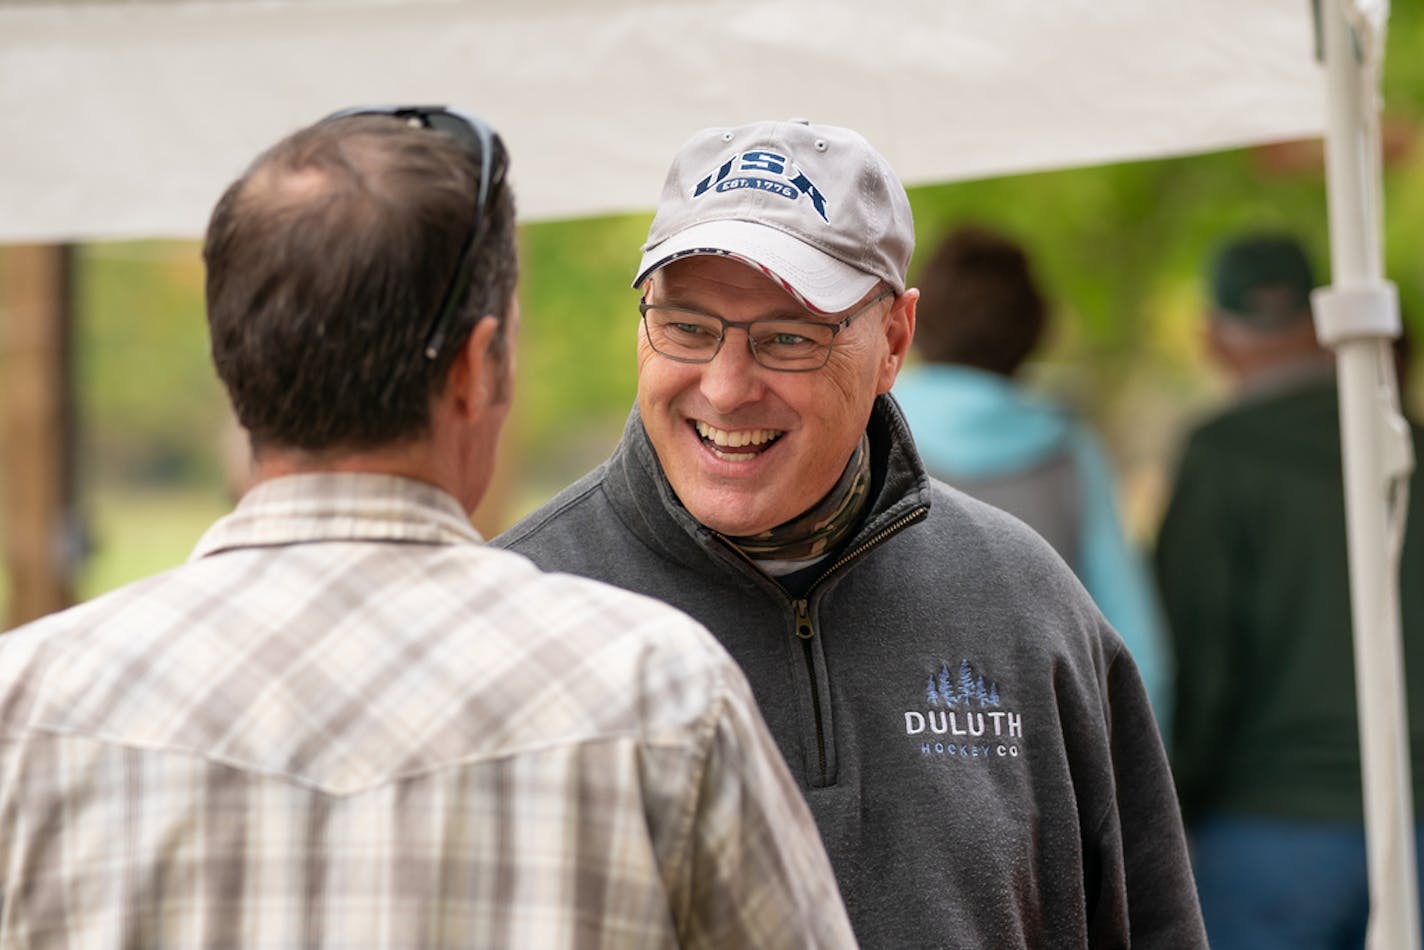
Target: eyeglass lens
{"points": [[794, 346], [690, 336]]}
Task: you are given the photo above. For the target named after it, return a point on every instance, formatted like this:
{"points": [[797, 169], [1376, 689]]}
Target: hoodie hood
{"points": [[971, 424]]}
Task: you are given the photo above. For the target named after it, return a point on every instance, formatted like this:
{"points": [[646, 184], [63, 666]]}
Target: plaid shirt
{"points": [[348, 723]]}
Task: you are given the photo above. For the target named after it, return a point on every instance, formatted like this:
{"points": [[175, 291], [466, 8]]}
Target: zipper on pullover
{"points": [[805, 629], [909, 519]]}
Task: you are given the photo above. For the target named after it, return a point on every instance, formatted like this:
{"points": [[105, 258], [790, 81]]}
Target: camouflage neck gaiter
{"points": [[816, 532]]}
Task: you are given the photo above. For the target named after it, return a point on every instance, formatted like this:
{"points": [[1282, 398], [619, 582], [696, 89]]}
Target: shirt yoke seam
{"points": [[312, 785]]}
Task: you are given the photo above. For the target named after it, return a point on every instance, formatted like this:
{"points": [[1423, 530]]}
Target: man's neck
{"points": [[1271, 378], [408, 460]]}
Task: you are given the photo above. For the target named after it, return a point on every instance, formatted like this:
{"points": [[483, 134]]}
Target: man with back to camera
{"points": [[971, 735], [346, 721]]}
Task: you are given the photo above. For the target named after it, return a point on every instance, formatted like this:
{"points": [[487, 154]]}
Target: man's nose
{"points": [[733, 377]]}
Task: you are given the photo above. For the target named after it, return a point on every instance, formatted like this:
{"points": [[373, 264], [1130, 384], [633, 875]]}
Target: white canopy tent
{"points": [[126, 119]]}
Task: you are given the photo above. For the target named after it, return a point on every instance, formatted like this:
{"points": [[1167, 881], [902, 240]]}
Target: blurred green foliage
{"points": [[576, 365], [138, 531], [148, 400]]}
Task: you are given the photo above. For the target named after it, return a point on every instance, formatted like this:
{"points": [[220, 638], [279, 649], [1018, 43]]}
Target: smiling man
{"points": [[972, 737], [747, 451]]}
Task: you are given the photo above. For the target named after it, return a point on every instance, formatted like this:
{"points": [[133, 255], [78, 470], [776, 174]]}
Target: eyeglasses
{"points": [[787, 346], [477, 136]]}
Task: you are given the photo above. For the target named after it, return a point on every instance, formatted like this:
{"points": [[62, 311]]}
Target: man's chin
{"points": [[731, 518]]}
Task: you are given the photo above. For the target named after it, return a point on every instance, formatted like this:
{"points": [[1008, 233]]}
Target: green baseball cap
{"points": [[1263, 280]]}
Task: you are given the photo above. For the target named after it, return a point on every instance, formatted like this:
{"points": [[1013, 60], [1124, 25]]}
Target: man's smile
{"points": [[754, 441]]}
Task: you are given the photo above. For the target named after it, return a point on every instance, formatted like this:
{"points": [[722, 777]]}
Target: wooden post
{"points": [[37, 430]]}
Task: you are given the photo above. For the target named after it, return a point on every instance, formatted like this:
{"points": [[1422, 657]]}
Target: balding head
{"points": [[326, 264]]}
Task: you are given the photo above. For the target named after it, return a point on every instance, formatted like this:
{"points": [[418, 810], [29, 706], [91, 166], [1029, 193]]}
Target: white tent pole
{"points": [[1358, 316]]}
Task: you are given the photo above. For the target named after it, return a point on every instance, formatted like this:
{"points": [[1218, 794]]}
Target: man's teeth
{"points": [[733, 440]]}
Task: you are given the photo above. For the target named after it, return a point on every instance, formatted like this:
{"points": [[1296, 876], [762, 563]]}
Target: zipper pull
{"points": [[804, 630]]}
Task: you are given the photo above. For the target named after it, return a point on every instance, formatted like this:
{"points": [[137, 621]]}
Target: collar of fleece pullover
{"points": [[971, 424]]}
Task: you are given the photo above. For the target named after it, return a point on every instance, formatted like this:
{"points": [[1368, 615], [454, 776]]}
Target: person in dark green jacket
{"points": [[1251, 560]]}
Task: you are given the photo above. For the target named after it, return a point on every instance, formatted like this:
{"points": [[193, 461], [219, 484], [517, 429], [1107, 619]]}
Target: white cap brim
{"points": [[820, 281]]}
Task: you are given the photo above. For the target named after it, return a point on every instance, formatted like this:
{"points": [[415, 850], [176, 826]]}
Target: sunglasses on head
{"points": [[477, 136]]}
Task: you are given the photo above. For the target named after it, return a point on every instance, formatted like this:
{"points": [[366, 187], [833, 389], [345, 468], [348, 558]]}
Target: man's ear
{"points": [[472, 383], [899, 334]]}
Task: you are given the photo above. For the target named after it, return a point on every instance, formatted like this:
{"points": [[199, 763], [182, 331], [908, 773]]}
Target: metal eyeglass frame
{"points": [[477, 135], [836, 328]]}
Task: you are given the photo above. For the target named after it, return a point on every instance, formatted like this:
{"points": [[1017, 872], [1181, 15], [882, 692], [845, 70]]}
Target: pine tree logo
{"points": [[963, 718], [964, 689]]}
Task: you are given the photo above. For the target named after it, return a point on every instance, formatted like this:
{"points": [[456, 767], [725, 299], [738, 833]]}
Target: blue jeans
{"points": [[1269, 883]]}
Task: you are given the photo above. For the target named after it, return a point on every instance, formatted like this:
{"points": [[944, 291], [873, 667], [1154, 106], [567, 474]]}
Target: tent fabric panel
{"points": [[126, 120]]}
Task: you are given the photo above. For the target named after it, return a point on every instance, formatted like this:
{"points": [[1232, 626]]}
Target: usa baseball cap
{"points": [[813, 206]]}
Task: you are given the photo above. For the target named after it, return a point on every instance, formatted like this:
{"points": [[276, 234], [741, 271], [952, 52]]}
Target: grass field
{"points": [[134, 533], [137, 533]]}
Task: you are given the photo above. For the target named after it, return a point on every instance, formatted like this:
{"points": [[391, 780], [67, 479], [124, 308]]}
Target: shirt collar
{"points": [[339, 506]]}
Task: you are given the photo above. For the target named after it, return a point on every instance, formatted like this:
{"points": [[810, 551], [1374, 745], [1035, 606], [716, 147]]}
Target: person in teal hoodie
{"points": [[978, 428]]}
